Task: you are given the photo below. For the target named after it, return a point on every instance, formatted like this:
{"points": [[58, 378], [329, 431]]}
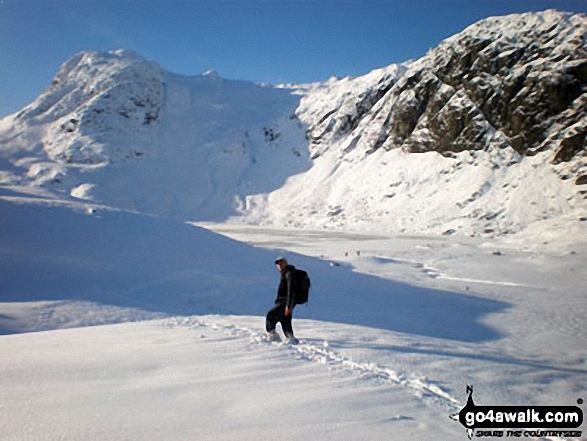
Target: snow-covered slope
{"points": [[209, 377], [109, 264], [377, 359], [483, 135], [202, 379], [397, 325], [101, 107]]}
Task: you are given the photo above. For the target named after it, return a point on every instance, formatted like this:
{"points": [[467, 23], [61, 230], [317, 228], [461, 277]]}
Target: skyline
{"points": [[265, 41]]}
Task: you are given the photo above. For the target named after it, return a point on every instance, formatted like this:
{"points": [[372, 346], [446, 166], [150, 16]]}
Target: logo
{"points": [[519, 421]]}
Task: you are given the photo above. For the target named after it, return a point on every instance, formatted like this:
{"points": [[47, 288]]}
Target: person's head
{"points": [[281, 263]]}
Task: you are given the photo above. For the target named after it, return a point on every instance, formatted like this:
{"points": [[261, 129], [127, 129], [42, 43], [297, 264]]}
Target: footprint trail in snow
{"points": [[320, 352]]}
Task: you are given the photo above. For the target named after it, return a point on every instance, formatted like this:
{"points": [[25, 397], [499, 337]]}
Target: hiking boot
{"points": [[273, 336], [291, 339]]}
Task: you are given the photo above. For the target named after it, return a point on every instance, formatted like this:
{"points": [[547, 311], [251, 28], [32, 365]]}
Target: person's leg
{"points": [[274, 316], [286, 324]]}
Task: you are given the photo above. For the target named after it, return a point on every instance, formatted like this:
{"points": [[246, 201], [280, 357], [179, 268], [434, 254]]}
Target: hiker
{"points": [[284, 304]]}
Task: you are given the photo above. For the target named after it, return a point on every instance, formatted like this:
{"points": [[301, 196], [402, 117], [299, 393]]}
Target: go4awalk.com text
{"points": [[520, 421]]}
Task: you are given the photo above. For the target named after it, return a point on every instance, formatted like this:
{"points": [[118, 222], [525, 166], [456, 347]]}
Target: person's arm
{"points": [[290, 294]]}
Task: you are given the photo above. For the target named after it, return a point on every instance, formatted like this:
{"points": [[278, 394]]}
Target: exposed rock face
{"points": [[518, 76], [483, 135], [518, 81], [335, 109]]}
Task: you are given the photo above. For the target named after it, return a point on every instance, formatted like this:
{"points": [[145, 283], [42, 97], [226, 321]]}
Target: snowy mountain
{"points": [[117, 129], [483, 135]]}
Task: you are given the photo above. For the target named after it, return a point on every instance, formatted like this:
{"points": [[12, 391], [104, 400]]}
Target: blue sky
{"points": [[271, 41]]}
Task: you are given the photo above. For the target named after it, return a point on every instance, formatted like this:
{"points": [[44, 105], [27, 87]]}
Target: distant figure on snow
{"points": [[293, 290]]}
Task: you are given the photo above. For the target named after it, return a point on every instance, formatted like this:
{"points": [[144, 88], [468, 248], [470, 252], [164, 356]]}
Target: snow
{"points": [[205, 148], [83, 191], [491, 192], [154, 329], [187, 379], [148, 140], [395, 192], [119, 320]]}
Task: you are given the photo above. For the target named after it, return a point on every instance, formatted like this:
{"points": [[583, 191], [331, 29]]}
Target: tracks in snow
{"points": [[321, 353]]}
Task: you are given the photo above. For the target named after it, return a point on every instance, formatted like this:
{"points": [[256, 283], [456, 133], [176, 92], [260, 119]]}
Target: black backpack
{"points": [[301, 286]]}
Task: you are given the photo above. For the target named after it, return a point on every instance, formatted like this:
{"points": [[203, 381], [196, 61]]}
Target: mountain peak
{"points": [[96, 101], [212, 75], [548, 29], [499, 111]]}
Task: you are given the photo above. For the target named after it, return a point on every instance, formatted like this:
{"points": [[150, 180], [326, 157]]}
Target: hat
{"points": [[280, 259]]}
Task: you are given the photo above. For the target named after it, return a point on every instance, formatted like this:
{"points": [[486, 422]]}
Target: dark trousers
{"points": [[277, 315]]}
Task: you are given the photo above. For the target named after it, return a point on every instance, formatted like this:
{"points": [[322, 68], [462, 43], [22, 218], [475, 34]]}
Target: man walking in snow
{"points": [[284, 304]]}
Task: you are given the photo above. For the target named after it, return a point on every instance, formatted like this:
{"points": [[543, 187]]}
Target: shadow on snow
{"points": [[133, 261]]}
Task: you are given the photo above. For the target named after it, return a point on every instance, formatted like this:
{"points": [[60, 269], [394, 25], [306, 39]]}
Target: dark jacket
{"points": [[285, 292]]}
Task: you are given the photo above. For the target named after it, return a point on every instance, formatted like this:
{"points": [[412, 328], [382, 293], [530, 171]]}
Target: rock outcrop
{"points": [[518, 81]]}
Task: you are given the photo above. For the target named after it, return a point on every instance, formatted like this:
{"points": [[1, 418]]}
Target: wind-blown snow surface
{"points": [[203, 377], [378, 359], [198, 379]]}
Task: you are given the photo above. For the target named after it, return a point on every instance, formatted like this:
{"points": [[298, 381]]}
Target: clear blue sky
{"points": [[271, 41]]}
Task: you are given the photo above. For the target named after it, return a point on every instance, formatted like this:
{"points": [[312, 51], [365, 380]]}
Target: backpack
{"points": [[302, 286]]}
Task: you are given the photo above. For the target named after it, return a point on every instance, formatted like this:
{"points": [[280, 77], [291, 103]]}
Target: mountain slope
{"points": [[485, 134], [100, 107], [401, 353]]}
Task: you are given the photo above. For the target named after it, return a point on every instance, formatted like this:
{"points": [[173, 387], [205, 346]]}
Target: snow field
{"points": [[534, 331], [378, 358], [194, 379]]}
